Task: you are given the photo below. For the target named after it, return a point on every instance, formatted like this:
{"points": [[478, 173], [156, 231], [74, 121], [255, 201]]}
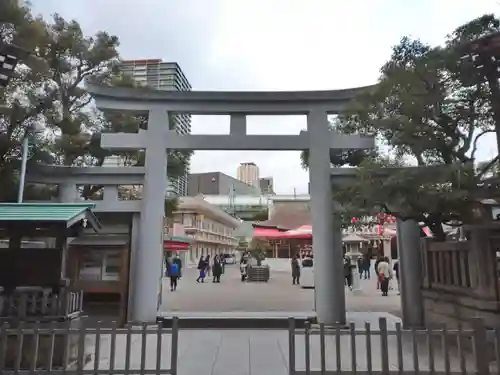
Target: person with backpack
{"points": [[174, 275], [178, 261]]}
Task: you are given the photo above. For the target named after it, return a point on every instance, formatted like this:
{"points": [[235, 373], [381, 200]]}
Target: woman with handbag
{"points": [[384, 272]]}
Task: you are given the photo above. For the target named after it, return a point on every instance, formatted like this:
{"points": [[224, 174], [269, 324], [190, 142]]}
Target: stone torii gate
{"points": [[318, 139]]}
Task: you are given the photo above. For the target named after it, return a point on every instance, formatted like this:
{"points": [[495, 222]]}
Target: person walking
{"points": [[295, 270], [361, 267], [244, 270], [395, 268], [366, 266], [167, 267], [208, 266], [222, 259], [202, 270], [177, 260], [385, 274], [348, 272], [216, 269], [379, 259], [174, 276]]}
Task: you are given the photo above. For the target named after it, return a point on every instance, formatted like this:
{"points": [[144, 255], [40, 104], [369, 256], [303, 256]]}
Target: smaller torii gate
{"points": [[410, 260], [318, 139]]}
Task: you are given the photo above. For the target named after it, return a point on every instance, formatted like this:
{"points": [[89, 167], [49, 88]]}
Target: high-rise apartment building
{"points": [[249, 173], [164, 76]]}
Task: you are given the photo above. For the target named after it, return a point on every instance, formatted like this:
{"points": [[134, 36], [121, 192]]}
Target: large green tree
{"points": [[26, 100], [429, 109], [48, 90], [72, 58]]}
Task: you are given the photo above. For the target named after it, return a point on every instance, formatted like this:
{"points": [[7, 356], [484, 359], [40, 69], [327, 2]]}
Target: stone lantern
{"points": [[353, 255]]}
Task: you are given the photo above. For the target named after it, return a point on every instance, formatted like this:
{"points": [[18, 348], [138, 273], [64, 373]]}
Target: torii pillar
{"points": [[329, 281]]}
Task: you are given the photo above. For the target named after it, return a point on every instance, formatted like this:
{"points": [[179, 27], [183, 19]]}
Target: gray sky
{"points": [[269, 45]]}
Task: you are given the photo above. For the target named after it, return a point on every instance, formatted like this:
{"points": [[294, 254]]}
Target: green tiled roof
{"points": [[178, 239], [45, 212]]}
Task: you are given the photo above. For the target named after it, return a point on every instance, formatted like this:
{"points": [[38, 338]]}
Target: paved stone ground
{"points": [[276, 295], [264, 352]]}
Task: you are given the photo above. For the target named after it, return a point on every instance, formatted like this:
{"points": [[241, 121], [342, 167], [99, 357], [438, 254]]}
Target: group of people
{"points": [[383, 270], [205, 267]]}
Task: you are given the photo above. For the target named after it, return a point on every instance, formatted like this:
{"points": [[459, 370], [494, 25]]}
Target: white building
{"points": [[209, 227], [249, 174]]}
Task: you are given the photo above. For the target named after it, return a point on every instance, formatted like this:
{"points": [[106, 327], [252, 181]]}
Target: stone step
{"points": [[236, 320]]}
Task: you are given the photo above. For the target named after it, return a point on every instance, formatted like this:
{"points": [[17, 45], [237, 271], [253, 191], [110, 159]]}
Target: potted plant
{"points": [[257, 249]]}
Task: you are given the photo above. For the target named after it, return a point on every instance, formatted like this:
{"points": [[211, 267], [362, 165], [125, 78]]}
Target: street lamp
{"points": [[32, 130]]}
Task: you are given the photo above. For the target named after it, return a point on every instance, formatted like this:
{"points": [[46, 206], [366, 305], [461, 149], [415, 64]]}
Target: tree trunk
{"points": [[492, 77]]}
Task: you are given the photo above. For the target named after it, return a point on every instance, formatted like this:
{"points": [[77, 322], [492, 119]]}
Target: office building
{"points": [[164, 76], [217, 183], [266, 185], [249, 173]]}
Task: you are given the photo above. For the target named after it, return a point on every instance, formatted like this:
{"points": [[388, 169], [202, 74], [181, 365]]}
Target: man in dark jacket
{"points": [[366, 266], [295, 270], [216, 269], [348, 272]]}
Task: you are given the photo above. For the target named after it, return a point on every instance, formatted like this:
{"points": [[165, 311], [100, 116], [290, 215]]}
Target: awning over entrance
{"points": [[176, 243], [303, 232], [267, 232]]}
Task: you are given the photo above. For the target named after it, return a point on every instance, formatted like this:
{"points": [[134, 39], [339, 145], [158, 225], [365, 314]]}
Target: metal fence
{"points": [[354, 350], [79, 349]]}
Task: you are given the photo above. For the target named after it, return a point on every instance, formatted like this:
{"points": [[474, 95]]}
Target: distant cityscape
{"points": [[248, 182], [247, 196], [168, 76]]}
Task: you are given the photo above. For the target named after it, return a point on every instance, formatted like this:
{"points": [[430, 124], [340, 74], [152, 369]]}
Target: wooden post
{"points": [[482, 264]]}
